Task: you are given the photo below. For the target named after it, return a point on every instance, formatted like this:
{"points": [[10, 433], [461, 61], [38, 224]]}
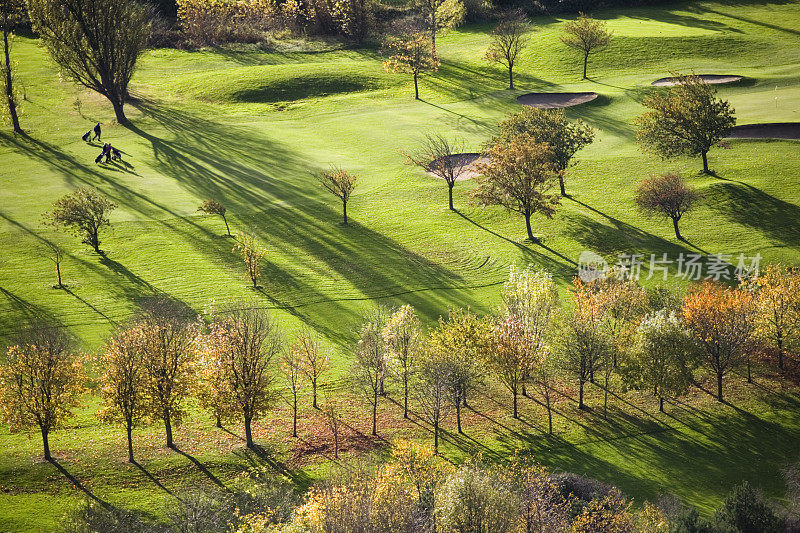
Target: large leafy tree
{"points": [[549, 126], [437, 15], [462, 341], [668, 196], [411, 54], [121, 383], [587, 35], [508, 41], [84, 212], [246, 342], [40, 380], [662, 358], [778, 300], [723, 321], [12, 14], [402, 335], [532, 297], [519, 176], [687, 118], [95, 42], [170, 343]]}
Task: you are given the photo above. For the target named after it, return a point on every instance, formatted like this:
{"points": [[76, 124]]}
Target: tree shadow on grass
{"points": [[751, 207], [156, 481], [72, 479], [214, 479]]}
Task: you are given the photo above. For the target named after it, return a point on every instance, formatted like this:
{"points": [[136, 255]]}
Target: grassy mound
{"points": [[282, 83]]}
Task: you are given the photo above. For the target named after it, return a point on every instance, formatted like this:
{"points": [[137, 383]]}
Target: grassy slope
{"points": [[223, 125]]}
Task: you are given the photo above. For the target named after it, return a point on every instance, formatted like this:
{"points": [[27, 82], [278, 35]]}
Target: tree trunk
{"points": [[129, 430], [405, 397], [227, 228], [661, 403], [677, 231], [719, 386], [549, 414], [580, 395], [514, 393], [94, 240], [11, 103], [248, 432], [168, 428], [511, 77], [416, 87], [294, 416], [749, 373], [705, 162], [528, 226], [314, 392], [344, 210], [561, 183], [605, 400], [46, 443], [585, 63], [375, 414], [450, 195], [58, 275], [458, 414], [780, 350], [118, 110], [436, 437]]}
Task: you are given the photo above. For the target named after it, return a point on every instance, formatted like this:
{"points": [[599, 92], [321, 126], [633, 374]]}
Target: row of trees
{"points": [[237, 363]]}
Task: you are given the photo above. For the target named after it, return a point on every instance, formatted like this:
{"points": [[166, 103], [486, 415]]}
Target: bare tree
{"points": [[432, 391], [56, 254], [402, 337], [508, 41], [369, 371], [332, 414], [437, 15], [12, 14], [95, 42], [314, 360], [443, 158], [292, 366]]}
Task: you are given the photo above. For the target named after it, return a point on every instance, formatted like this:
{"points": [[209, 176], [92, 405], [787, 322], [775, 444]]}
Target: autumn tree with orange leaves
{"points": [[511, 354], [40, 380], [169, 341], [723, 320], [121, 383]]}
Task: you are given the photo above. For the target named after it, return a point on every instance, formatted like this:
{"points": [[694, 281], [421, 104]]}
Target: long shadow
{"points": [[214, 479], [752, 21], [751, 207], [81, 486], [564, 269], [156, 481]]}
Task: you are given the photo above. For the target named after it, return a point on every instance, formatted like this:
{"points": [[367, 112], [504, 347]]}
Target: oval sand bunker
{"points": [[464, 165], [711, 79], [555, 100], [775, 130]]}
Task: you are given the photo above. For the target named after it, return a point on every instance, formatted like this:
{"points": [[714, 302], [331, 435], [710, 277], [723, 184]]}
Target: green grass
{"points": [[249, 128]]}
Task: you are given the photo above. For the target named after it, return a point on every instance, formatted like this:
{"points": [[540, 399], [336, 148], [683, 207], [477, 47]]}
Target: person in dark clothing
{"points": [[97, 131], [85, 137], [107, 152]]}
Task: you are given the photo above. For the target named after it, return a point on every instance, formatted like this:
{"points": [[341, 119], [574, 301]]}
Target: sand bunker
{"points": [[775, 130], [555, 100], [466, 163], [711, 79]]}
